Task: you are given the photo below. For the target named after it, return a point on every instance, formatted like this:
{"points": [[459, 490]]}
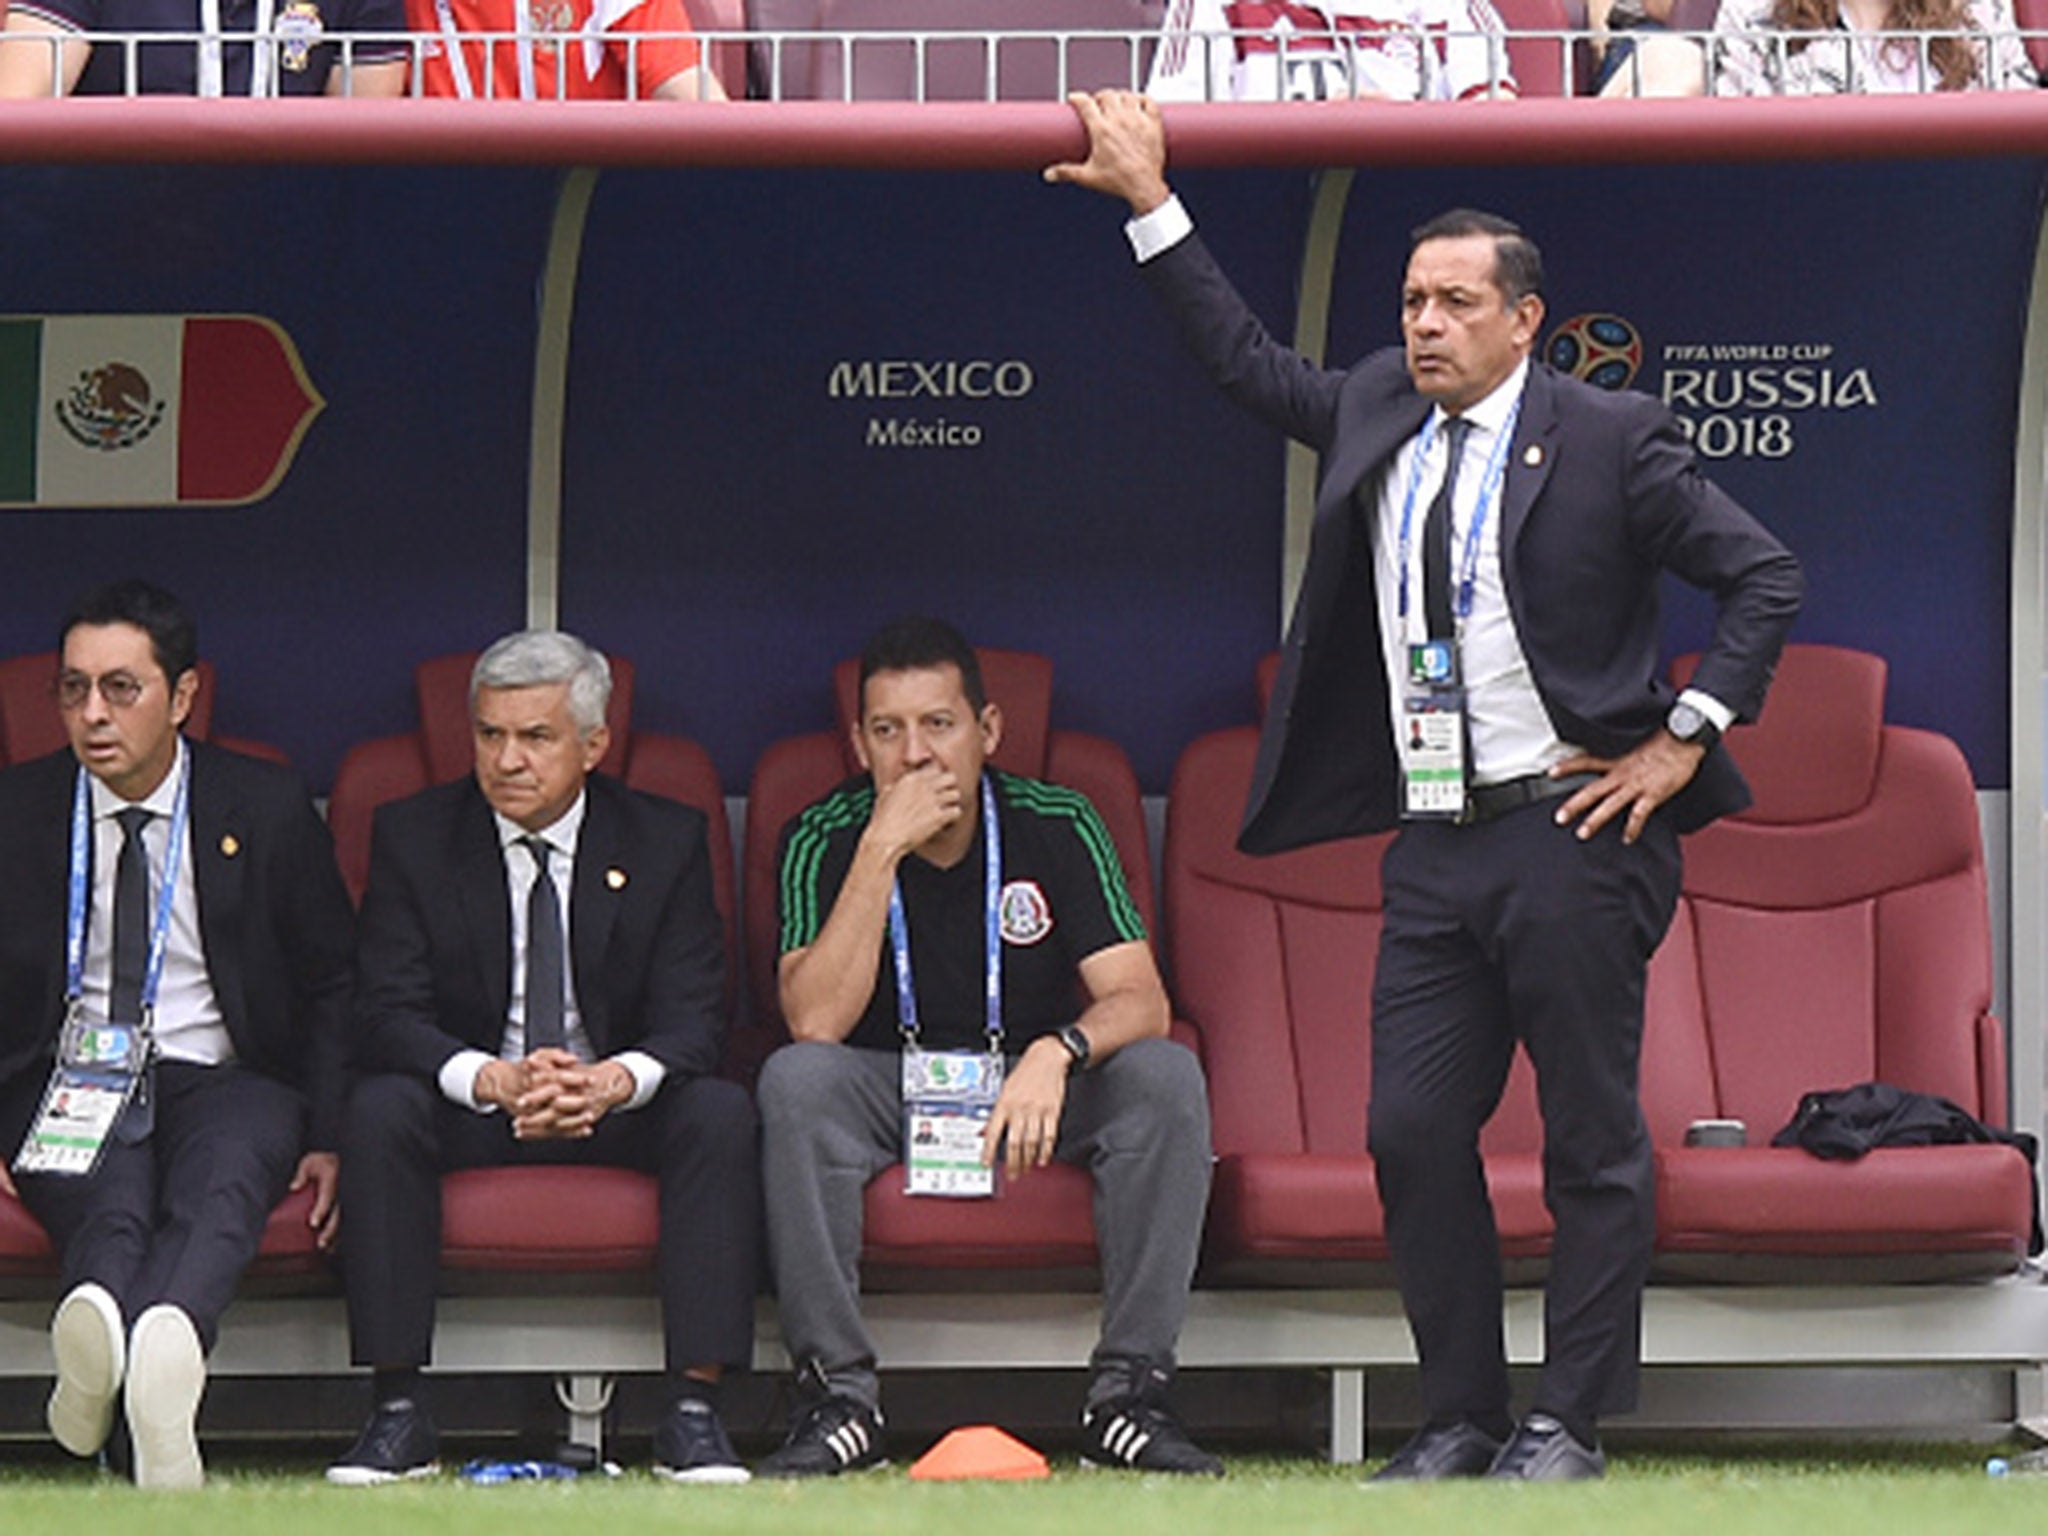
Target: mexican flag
{"points": [[148, 410]]}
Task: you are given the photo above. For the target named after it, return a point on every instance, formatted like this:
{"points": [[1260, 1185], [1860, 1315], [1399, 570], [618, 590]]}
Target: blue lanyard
{"points": [[992, 930], [81, 859], [1489, 492]]}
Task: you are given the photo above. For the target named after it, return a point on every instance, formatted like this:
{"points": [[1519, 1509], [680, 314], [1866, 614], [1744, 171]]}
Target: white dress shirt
{"points": [[187, 1025], [459, 1072]]}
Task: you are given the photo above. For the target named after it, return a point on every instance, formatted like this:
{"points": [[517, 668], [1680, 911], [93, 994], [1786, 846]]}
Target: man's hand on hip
{"points": [[1126, 149], [1650, 773]]}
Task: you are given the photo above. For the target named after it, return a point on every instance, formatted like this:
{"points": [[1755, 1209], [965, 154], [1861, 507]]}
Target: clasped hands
{"points": [[552, 1095]]}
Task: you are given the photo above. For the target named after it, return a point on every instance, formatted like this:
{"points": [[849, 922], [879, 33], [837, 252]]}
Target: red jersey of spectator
{"points": [[574, 49]]}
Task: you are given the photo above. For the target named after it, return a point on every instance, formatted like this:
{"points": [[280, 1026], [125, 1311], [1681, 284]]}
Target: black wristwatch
{"points": [[1077, 1047], [1692, 725]]}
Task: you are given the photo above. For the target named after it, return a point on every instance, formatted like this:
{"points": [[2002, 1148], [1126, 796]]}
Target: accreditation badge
{"points": [[1432, 735], [99, 1067], [948, 1097]]}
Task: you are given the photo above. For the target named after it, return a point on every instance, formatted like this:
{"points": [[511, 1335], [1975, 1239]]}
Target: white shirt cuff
{"points": [[648, 1075], [458, 1079], [1711, 707], [1155, 233]]}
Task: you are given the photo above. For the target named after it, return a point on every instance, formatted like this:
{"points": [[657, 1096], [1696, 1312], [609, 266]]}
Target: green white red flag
{"points": [[148, 410]]}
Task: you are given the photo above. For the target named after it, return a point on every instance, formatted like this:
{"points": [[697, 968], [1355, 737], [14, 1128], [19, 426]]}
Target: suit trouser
{"points": [[1509, 931], [177, 1217], [832, 1118], [698, 1136]]}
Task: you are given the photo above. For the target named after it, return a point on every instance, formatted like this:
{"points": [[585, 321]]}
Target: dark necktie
{"points": [[543, 954], [1436, 537], [131, 918], [131, 955]]}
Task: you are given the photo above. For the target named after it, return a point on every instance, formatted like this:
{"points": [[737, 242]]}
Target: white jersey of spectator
{"points": [[1752, 58], [1405, 50]]}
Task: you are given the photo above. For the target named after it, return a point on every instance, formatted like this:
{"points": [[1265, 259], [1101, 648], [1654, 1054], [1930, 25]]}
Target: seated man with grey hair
{"points": [[541, 980]]}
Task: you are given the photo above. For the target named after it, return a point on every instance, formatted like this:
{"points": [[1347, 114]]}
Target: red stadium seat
{"points": [[959, 69], [30, 725], [1272, 963], [1538, 62], [1043, 1221], [1836, 932], [727, 56], [2032, 16]]}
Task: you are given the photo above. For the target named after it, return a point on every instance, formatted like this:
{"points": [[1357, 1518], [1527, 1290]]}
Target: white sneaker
{"points": [[166, 1378], [86, 1338]]}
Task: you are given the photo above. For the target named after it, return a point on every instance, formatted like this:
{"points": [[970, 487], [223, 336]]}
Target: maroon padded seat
{"points": [[1837, 932], [287, 1260], [533, 1219], [1539, 57], [1044, 1221], [31, 726], [958, 68], [1272, 963]]}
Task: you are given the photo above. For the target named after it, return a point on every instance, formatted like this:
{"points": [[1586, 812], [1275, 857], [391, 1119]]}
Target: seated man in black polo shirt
{"points": [[936, 915], [311, 51]]}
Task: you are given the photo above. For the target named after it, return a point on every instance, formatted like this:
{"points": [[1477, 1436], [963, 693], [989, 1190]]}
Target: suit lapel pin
{"points": [[230, 845], [1533, 455], [615, 878]]}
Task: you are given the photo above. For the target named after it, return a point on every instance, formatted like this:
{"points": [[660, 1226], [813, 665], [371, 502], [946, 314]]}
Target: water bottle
{"points": [[485, 1473], [2032, 1463]]}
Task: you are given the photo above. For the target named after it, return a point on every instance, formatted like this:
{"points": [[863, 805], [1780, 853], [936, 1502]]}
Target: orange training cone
{"points": [[980, 1450]]}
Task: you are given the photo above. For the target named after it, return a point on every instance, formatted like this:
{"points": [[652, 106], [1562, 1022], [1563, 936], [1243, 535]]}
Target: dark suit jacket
{"points": [[1602, 493], [434, 964], [273, 916]]}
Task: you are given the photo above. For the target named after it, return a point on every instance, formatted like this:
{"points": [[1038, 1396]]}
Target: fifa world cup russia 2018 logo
{"points": [[1603, 350], [110, 407]]}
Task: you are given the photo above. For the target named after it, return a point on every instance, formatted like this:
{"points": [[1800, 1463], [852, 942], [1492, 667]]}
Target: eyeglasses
{"points": [[119, 689]]}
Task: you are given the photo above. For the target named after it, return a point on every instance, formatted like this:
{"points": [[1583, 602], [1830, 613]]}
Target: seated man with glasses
{"points": [[175, 971]]}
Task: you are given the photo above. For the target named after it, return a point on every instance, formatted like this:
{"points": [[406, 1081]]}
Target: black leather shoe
{"points": [[1438, 1451], [1543, 1451]]}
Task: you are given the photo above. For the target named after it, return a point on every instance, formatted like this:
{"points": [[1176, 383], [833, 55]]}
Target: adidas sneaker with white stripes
{"points": [[832, 1435], [1141, 1434]]}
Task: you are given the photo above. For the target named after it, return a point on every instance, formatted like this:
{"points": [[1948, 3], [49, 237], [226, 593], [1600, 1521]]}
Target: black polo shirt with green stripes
{"points": [[1063, 898]]}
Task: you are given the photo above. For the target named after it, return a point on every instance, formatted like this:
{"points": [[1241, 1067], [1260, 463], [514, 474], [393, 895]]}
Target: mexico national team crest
{"points": [[1026, 916], [299, 30], [110, 408]]}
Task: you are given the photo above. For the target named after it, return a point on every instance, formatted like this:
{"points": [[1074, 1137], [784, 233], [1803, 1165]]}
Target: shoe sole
{"points": [[725, 1474], [376, 1477], [166, 1379], [85, 1337]]}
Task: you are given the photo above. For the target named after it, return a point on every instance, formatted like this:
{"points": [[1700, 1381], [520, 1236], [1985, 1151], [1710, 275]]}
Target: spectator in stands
{"points": [[567, 50], [203, 955], [1537, 865], [1271, 50], [1639, 52], [894, 890], [335, 47], [1823, 47], [541, 979]]}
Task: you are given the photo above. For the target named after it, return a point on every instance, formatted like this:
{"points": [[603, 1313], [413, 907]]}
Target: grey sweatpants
{"points": [[832, 1118]]}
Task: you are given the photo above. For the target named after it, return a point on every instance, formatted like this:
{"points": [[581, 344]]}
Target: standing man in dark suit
{"points": [[132, 834], [542, 980], [1485, 675]]}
